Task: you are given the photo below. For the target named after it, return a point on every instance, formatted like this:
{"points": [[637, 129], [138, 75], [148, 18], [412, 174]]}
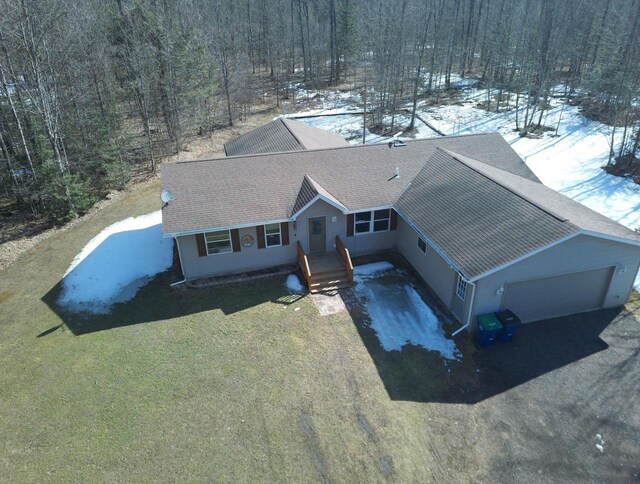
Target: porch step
{"points": [[329, 276], [316, 288], [329, 272], [329, 281]]}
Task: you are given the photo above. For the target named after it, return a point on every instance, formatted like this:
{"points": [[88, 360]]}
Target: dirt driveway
{"points": [[561, 404], [558, 404]]}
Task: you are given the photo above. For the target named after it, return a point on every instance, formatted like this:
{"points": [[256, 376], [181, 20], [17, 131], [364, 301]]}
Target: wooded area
{"points": [[92, 90]]}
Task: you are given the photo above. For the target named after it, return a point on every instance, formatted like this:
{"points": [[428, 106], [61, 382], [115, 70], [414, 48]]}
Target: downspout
{"points": [[181, 267], [468, 323]]}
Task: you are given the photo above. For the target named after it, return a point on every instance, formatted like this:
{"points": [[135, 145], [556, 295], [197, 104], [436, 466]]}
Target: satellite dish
{"points": [[165, 196]]}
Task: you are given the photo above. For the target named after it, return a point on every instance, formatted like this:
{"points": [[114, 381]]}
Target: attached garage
{"points": [[512, 243], [548, 297]]}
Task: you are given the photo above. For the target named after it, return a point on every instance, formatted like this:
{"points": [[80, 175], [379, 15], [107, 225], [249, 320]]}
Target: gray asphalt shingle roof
{"points": [[471, 195], [282, 135], [479, 224]]}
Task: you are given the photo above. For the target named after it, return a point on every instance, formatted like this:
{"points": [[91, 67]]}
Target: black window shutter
{"points": [[260, 236], [202, 248], [235, 240], [284, 229], [350, 219], [394, 220]]}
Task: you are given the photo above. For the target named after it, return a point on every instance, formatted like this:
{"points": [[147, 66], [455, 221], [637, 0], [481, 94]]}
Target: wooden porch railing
{"points": [[344, 253], [304, 265]]}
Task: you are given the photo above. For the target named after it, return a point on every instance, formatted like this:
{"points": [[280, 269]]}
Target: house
{"points": [[465, 211]]}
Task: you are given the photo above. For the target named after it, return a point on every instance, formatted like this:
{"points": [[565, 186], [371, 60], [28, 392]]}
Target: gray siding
{"points": [[436, 272], [580, 253], [252, 258]]}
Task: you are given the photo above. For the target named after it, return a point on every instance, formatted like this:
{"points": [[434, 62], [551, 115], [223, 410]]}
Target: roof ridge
{"points": [[334, 148], [461, 159], [286, 125]]}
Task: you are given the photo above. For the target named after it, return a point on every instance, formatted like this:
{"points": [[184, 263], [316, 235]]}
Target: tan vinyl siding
{"points": [[247, 259], [435, 271], [357, 244], [581, 253], [258, 257]]}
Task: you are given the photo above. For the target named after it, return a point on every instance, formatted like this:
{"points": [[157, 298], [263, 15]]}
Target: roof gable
{"points": [[282, 135], [310, 192]]}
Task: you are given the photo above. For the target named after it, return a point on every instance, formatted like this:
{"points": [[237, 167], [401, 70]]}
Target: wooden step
{"points": [[335, 276], [335, 270], [330, 287], [329, 282]]}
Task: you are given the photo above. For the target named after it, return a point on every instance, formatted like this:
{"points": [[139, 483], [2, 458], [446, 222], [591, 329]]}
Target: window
{"points": [[422, 245], [363, 222], [374, 221], [461, 287], [218, 242], [381, 220], [272, 235]]}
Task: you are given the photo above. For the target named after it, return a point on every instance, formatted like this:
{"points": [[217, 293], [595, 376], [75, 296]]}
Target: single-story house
{"points": [[465, 211]]}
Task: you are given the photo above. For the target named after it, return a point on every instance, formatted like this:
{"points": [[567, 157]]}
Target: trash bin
{"points": [[489, 328], [510, 323]]}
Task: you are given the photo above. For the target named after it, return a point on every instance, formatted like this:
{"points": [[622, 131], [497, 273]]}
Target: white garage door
{"points": [[549, 297]]}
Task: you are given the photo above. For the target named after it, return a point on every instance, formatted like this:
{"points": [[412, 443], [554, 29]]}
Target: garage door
{"points": [[549, 297]]}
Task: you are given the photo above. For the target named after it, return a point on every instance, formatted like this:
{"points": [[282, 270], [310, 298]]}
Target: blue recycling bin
{"points": [[489, 328], [510, 324]]}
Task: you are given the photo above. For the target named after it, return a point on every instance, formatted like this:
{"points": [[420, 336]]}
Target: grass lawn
{"points": [[235, 383], [248, 383]]}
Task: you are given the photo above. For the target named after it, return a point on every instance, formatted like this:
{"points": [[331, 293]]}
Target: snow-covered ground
{"points": [[397, 313], [569, 162], [115, 264], [293, 284]]}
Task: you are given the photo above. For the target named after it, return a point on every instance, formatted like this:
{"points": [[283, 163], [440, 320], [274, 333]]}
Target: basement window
{"points": [[272, 235], [372, 221], [461, 287], [218, 242], [422, 245]]}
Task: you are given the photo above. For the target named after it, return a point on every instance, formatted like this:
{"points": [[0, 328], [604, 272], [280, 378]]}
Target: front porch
{"points": [[326, 272]]}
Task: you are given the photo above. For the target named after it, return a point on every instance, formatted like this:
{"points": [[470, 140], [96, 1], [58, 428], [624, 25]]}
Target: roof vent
{"points": [[397, 175], [396, 142]]}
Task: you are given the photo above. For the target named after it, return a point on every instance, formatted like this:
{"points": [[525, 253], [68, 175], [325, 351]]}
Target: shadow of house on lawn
{"points": [[157, 301], [111, 279], [419, 375]]}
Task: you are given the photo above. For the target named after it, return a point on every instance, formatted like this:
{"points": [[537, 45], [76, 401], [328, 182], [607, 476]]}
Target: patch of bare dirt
{"points": [[627, 166], [211, 145], [535, 131], [606, 112]]}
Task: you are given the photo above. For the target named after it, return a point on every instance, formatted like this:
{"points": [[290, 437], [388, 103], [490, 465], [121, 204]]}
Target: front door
{"points": [[317, 235]]}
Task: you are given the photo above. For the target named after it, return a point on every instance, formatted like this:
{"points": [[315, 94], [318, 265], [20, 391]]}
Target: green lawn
{"points": [[237, 383]]}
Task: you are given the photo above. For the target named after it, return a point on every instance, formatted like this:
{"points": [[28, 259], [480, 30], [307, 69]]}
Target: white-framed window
{"points": [[362, 221], [272, 235], [422, 245], [371, 221], [218, 242], [461, 288]]}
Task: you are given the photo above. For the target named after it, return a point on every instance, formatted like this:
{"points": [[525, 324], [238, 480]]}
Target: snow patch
{"points": [[115, 264], [398, 314], [370, 270], [293, 284]]}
